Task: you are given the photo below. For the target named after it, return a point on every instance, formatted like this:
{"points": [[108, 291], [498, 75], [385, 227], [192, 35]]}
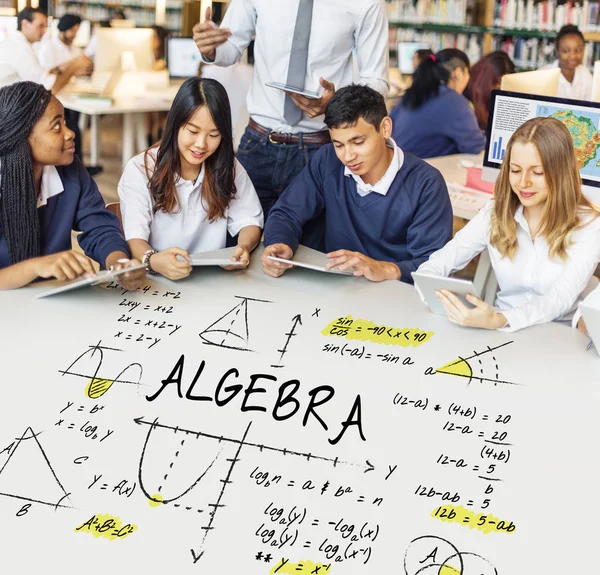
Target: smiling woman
{"points": [[45, 194], [187, 192]]}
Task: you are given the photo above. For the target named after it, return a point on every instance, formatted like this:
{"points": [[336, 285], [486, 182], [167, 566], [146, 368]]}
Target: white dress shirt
{"points": [[52, 53], [581, 86], [383, 185], [18, 63], [188, 228], [338, 26], [533, 288]]}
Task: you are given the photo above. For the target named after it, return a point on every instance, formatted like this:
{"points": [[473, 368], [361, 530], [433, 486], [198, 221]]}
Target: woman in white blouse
{"points": [[542, 234], [185, 193]]}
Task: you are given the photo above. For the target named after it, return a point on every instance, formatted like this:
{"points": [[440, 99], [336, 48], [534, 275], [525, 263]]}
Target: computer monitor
{"points": [[508, 110], [596, 82], [183, 57], [406, 51], [8, 24], [113, 43], [539, 82]]}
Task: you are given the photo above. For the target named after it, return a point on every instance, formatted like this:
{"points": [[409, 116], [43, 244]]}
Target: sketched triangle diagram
{"points": [[27, 474]]}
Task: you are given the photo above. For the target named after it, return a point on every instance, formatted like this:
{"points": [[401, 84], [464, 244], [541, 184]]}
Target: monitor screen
{"points": [[405, 54], [509, 110], [183, 57]]}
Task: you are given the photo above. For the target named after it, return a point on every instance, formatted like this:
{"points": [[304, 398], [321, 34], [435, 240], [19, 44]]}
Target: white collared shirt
{"points": [[534, 289], [581, 86], [52, 53], [188, 228], [51, 185], [338, 27], [383, 185], [18, 63]]}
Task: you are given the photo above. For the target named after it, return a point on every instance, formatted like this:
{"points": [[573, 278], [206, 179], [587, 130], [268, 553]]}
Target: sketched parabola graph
{"points": [[481, 366], [431, 555], [28, 475], [232, 330]]}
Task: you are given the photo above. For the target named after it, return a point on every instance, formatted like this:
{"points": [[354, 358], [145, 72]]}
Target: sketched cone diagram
{"points": [[431, 555], [481, 366]]}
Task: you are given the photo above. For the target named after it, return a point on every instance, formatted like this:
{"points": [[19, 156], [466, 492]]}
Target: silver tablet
{"points": [[427, 285]]}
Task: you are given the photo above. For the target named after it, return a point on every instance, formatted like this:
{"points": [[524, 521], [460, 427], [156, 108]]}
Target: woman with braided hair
{"points": [[45, 192]]}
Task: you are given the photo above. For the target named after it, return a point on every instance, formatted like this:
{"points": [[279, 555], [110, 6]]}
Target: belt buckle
{"points": [[273, 132]]}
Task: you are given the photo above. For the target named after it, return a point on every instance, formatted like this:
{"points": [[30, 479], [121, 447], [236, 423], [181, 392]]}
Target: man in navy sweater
{"points": [[385, 211]]}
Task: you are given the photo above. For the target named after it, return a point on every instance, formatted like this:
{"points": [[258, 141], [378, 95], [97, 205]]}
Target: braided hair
{"points": [[21, 106]]}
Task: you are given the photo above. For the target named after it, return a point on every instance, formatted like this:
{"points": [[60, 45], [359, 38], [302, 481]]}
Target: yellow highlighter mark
{"points": [[97, 387], [484, 522], [284, 566], [106, 526], [365, 330], [155, 500], [448, 570]]}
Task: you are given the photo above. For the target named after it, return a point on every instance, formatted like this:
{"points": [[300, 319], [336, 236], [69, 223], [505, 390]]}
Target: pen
{"points": [[589, 345]]}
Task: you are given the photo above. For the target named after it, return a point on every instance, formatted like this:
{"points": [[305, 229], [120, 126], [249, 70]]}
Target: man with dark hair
{"points": [[385, 211], [18, 61]]}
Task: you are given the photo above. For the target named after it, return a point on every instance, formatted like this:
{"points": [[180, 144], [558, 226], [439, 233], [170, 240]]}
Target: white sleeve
{"points": [[136, 204], [463, 247], [587, 85], [29, 68], [47, 55], [583, 257], [245, 209], [240, 18], [371, 41]]}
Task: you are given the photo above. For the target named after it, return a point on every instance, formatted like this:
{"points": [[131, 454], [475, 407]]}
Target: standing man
{"points": [[307, 44], [19, 63]]}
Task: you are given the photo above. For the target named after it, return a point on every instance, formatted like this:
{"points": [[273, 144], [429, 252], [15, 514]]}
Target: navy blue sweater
{"points": [[408, 224], [79, 207], [443, 125]]}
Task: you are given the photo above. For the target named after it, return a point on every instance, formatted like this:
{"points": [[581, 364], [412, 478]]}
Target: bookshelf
{"points": [[525, 29], [143, 12]]}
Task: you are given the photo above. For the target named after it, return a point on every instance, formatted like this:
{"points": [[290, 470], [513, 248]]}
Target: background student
{"points": [[304, 43], [385, 210], [183, 195], [45, 194], [486, 75], [542, 234], [575, 80], [18, 61], [433, 118]]}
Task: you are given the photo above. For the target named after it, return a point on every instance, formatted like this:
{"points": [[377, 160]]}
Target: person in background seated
{"points": [[385, 211], [575, 80], [485, 77], [184, 194], [421, 55], [433, 118], [45, 193], [542, 234]]}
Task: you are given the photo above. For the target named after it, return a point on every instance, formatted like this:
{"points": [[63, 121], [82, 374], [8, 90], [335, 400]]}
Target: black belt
{"points": [[275, 137]]}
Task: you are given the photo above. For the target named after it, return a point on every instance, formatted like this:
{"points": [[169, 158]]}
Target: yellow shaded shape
{"points": [[365, 330], [106, 526], [156, 500], [448, 570], [458, 367], [97, 387], [484, 522], [300, 567]]}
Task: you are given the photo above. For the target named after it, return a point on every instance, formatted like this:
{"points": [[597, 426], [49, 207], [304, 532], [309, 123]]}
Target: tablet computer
{"points": [[214, 258], [105, 276], [315, 264], [306, 93], [427, 285]]}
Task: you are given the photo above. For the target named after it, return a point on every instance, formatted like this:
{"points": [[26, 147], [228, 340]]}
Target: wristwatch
{"points": [[146, 261]]}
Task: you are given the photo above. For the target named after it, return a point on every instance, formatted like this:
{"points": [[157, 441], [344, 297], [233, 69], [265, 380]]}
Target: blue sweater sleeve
{"points": [[463, 126], [300, 202], [101, 230], [431, 227]]}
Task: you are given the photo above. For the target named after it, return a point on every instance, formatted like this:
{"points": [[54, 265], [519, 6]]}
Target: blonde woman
{"points": [[542, 234]]}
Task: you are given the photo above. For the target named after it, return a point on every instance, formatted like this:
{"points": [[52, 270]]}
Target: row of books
{"points": [[432, 11], [547, 15], [471, 44], [532, 53]]}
